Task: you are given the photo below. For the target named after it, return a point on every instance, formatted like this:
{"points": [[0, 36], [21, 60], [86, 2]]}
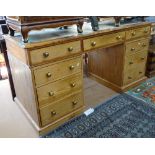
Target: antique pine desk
{"points": [[48, 70]]}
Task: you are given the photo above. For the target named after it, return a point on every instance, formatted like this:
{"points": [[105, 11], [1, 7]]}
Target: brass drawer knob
{"points": [[73, 84], [133, 33], [48, 74], [142, 58], [93, 43], [145, 30], [130, 63], [118, 37], [74, 103], [51, 93], [70, 49], [53, 113], [71, 67], [132, 49], [46, 54], [129, 77]]}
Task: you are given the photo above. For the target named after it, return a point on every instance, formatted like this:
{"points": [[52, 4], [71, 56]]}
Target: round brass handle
{"points": [[133, 33], [93, 43], [118, 37], [46, 54], [51, 93], [53, 113], [48, 74], [74, 103], [130, 63], [132, 49], [139, 43], [145, 30], [73, 84], [71, 67], [129, 77], [70, 49]]}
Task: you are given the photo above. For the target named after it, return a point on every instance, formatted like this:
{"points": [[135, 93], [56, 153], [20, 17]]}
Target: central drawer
{"points": [[53, 52], [104, 40], [56, 90], [138, 32], [60, 108], [57, 71]]}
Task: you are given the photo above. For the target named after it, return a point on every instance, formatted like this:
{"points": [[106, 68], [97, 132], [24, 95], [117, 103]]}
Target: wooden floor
{"points": [[13, 122], [95, 93]]}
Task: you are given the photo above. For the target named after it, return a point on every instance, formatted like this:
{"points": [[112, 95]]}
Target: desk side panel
{"points": [[22, 80]]}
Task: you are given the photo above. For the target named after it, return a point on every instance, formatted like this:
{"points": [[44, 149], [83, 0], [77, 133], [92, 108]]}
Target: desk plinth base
{"points": [[118, 89], [44, 130]]}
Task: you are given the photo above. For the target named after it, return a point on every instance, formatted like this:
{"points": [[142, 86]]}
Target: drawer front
{"points": [[56, 90], [136, 46], [59, 109], [104, 40], [52, 52], [135, 60], [139, 32], [57, 71], [134, 74]]}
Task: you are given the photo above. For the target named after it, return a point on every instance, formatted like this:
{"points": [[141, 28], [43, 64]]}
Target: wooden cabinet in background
{"points": [[24, 24]]}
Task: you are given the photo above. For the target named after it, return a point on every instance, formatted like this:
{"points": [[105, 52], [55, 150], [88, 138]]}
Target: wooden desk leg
{"points": [[11, 31], [24, 32], [79, 27], [0, 75], [10, 76], [4, 51]]}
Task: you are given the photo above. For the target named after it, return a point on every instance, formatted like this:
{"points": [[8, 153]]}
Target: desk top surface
{"points": [[55, 35]]}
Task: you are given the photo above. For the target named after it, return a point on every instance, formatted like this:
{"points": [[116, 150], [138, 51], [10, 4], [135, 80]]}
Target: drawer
{"points": [[104, 40], [133, 47], [52, 52], [138, 32], [57, 71], [135, 60], [60, 108], [134, 74], [56, 90]]}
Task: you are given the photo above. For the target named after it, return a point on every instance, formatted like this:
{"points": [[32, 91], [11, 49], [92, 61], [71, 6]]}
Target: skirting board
{"points": [[48, 128], [118, 89], [34, 124]]}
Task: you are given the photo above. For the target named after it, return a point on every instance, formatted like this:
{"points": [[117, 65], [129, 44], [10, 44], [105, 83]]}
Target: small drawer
{"points": [[134, 74], [61, 108], [56, 90], [45, 54], [104, 40], [133, 47], [135, 60], [139, 32], [57, 71]]}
